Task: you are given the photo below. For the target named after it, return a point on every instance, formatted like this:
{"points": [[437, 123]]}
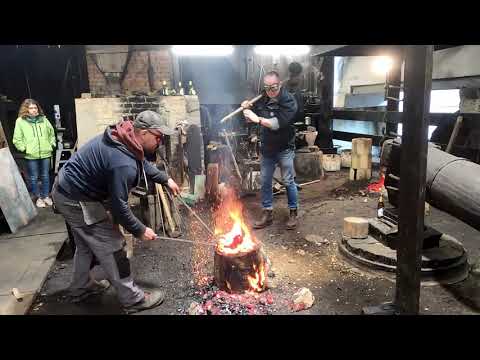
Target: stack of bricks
{"points": [[136, 74], [361, 168], [131, 106]]}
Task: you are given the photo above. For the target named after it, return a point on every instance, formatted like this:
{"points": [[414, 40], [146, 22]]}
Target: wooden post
{"points": [[418, 83]]}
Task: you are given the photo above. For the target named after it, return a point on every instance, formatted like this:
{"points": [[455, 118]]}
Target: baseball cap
{"points": [[152, 120]]}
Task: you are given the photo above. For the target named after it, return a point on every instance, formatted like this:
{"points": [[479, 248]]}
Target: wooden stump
{"points": [[355, 227], [211, 187], [235, 273]]}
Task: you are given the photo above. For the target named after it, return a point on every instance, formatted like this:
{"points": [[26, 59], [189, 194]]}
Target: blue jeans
{"points": [[267, 167], [39, 168]]}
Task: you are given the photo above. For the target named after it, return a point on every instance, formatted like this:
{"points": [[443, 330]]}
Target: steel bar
{"points": [[195, 214], [418, 84], [233, 156], [185, 241]]}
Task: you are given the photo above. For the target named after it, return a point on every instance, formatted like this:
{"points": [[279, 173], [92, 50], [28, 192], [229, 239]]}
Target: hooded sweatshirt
{"points": [[106, 169], [34, 136]]}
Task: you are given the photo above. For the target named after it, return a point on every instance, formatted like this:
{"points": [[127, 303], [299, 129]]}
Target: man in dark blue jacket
{"points": [[91, 192], [275, 114]]}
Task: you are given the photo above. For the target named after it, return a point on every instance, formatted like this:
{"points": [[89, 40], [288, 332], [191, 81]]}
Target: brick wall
{"points": [[95, 114], [136, 77]]}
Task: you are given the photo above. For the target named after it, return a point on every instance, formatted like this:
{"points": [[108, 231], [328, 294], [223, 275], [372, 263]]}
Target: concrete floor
{"points": [[338, 287], [26, 258]]}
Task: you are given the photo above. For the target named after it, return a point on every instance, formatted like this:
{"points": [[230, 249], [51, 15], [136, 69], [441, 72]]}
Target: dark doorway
{"points": [[51, 74]]}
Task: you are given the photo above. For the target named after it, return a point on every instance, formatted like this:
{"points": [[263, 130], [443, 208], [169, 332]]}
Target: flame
{"points": [[257, 283], [234, 236]]}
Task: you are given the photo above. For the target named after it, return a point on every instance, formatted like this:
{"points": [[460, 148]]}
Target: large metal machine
{"points": [[453, 186]]}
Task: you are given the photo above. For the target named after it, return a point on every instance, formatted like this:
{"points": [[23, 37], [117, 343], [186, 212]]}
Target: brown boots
{"points": [[267, 219], [292, 220]]}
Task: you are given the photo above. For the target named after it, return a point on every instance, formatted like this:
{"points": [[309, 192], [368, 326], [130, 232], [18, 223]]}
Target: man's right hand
{"points": [[246, 104], [149, 234]]}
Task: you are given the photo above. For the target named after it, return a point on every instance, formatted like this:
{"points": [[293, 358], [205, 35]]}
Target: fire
{"points": [[234, 237], [257, 283], [232, 232]]}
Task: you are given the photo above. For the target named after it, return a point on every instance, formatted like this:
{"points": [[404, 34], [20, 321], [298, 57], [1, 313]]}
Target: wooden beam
{"points": [[418, 82]]}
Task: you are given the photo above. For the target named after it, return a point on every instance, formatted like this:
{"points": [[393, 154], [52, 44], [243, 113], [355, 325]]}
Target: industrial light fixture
{"points": [[202, 50], [382, 64], [277, 50]]}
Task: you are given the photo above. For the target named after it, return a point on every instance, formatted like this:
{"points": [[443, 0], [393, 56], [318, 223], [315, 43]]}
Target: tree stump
{"points": [[237, 273], [355, 227]]}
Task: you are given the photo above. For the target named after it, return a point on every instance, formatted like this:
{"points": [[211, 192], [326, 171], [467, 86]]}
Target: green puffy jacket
{"points": [[35, 137]]}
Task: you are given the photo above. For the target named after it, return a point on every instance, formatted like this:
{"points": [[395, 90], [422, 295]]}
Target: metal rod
{"points": [[185, 241], [195, 214], [233, 156]]}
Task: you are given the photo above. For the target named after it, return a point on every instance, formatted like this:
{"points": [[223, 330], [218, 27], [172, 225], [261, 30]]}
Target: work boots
{"points": [[292, 220], [266, 220]]}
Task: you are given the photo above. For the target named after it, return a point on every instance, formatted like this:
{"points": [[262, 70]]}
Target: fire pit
{"points": [[239, 265]]}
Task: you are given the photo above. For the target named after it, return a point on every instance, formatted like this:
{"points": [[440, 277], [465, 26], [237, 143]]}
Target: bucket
{"points": [[331, 162], [346, 156]]}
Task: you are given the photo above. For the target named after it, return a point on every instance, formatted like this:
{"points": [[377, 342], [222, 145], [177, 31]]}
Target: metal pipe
{"points": [[453, 185]]}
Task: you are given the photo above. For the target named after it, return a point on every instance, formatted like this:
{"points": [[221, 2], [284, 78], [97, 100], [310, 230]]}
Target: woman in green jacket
{"points": [[34, 135]]}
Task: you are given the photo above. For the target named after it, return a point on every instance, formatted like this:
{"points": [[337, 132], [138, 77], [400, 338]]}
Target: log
{"points": [[360, 174], [211, 187], [361, 146], [355, 227], [166, 209], [361, 161], [234, 273]]}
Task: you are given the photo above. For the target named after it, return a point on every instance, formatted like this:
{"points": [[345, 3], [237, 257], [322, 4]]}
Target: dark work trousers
{"points": [[102, 240]]}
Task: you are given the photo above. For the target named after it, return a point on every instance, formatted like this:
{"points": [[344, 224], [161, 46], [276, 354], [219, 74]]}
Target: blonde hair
{"points": [[23, 111]]}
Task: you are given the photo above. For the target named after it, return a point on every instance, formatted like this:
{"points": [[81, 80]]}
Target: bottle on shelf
{"points": [[180, 89], [380, 206], [165, 90], [191, 90]]}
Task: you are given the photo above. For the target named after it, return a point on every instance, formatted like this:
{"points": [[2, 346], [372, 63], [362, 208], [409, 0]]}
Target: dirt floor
{"points": [[338, 287]]}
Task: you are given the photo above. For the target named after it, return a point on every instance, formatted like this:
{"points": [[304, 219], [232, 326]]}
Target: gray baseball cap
{"points": [[152, 120]]}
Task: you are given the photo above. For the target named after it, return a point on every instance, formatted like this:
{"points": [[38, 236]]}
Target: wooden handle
{"points": [[165, 206], [240, 109]]}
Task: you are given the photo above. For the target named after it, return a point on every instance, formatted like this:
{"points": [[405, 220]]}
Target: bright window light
{"points": [[441, 101], [382, 64], [202, 50], [431, 129], [277, 50]]}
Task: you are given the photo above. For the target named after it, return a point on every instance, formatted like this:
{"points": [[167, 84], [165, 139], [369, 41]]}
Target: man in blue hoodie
{"points": [[275, 113], [91, 192]]}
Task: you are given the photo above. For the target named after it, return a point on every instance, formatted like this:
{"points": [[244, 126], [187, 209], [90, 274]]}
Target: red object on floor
{"points": [[377, 186]]}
